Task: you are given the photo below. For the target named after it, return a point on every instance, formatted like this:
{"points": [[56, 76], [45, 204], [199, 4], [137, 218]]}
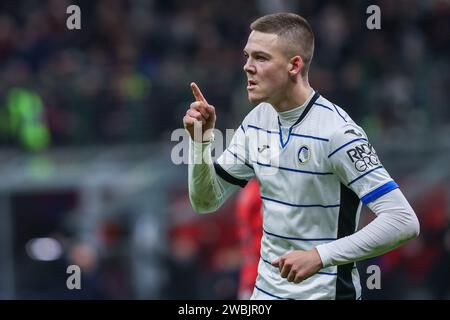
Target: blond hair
{"points": [[293, 31]]}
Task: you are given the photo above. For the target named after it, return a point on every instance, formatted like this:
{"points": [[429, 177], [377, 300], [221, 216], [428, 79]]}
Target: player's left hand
{"points": [[297, 266]]}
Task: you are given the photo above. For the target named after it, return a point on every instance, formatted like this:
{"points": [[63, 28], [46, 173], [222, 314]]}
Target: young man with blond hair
{"points": [[314, 166]]}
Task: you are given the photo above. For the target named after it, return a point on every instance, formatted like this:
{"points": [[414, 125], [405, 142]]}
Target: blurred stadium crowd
{"points": [[124, 79]]}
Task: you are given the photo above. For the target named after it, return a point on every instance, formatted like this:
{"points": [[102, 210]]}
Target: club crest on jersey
{"points": [[304, 154]]}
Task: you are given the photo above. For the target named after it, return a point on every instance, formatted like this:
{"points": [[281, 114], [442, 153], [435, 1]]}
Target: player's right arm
{"points": [[207, 191]]}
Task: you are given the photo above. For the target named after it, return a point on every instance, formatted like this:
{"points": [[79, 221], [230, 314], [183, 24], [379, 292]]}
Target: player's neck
{"points": [[295, 97]]}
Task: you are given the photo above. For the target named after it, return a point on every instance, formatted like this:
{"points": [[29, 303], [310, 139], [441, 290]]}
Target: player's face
{"points": [[266, 68]]}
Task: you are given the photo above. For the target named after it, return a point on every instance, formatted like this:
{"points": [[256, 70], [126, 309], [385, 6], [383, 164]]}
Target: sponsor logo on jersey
{"points": [[352, 131], [304, 154], [364, 157], [264, 147]]}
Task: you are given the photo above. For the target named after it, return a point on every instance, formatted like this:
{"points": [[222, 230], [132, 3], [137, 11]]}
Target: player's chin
{"points": [[255, 98]]}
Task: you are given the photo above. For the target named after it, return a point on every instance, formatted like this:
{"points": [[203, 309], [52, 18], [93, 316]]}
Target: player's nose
{"points": [[249, 68]]}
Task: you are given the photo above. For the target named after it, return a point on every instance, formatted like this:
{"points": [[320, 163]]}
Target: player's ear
{"points": [[295, 65]]}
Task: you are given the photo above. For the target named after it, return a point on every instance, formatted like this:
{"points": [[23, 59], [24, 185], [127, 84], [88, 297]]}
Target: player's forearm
{"points": [[396, 224], [207, 191]]}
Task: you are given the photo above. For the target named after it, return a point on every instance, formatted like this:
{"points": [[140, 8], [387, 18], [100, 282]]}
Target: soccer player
{"points": [[314, 166]]}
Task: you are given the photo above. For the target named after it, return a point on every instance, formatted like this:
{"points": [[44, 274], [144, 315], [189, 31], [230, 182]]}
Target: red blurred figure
{"points": [[249, 220]]}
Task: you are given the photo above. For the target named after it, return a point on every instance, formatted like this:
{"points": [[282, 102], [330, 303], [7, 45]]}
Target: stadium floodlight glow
{"points": [[43, 249]]}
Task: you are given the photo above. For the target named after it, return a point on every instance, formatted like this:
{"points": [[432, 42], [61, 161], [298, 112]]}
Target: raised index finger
{"points": [[197, 93]]}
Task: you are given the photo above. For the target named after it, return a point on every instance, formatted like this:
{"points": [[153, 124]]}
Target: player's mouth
{"points": [[251, 84]]}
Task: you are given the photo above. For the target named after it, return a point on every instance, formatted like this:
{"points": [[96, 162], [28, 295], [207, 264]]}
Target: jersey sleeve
{"points": [[356, 163], [233, 165]]}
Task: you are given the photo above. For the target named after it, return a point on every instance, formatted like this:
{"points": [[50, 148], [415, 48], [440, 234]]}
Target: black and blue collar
{"points": [[302, 116]]}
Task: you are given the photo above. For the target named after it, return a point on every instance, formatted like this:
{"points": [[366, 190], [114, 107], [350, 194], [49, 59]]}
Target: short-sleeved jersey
{"points": [[313, 177]]}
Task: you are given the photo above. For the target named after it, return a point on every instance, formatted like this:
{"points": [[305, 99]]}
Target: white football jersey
{"points": [[313, 177]]}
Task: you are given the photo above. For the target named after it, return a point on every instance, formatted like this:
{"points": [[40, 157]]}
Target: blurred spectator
{"points": [[203, 259], [249, 221]]}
